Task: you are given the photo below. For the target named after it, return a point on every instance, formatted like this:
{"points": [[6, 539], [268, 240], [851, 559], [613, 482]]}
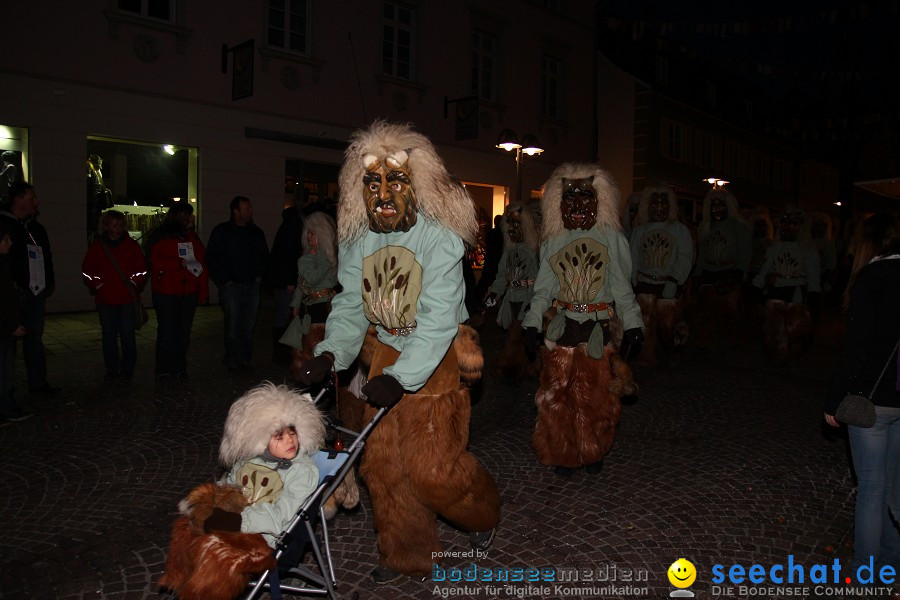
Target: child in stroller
{"points": [[228, 531]]}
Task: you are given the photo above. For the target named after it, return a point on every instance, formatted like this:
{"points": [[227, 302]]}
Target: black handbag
{"points": [[859, 410]]}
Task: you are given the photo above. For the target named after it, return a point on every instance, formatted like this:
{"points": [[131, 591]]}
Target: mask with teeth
{"points": [[579, 203], [389, 196]]}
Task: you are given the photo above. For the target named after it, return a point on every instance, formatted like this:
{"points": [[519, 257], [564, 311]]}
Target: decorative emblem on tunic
{"points": [[716, 247], [580, 268], [259, 483], [787, 266], [656, 249], [392, 282]]}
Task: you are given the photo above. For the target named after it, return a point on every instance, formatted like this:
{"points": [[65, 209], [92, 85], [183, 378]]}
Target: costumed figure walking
{"points": [[402, 224], [316, 283], [584, 279], [515, 284], [789, 280], [723, 257], [662, 253]]}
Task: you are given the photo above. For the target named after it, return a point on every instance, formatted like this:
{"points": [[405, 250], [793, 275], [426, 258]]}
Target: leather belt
{"points": [[400, 331], [582, 307], [659, 277], [521, 283], [326, 292]]}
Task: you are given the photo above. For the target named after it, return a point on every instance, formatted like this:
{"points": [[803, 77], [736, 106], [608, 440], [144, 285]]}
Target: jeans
{"points": [[32, 341], [174, 318], [876, 452], [7, 355], [117, 325], [240, 303]]}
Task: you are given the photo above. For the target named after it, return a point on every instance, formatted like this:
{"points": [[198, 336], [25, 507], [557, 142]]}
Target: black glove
{"points": [[222, 520], [316, 369], [631, 343], [383, 391], [532, 338]]}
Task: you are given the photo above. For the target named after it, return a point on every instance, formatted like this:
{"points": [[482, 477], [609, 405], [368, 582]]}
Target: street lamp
{"points": [[507, 140], [715, 182]]}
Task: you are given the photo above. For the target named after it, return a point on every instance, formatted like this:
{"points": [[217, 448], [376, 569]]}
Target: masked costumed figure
{"points": [[820, 228], [789, 278], [629, 212], [762, 232], [515, 283], [662, 253], [316, 282], [584, 278], [723, 257], [402, 224]]}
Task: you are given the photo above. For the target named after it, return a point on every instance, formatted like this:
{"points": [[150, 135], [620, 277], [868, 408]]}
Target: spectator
{"points": [[11, 329], [281, 276], [873, 328], [31, 264], [114, 269], [237, 255], [179, 280]]}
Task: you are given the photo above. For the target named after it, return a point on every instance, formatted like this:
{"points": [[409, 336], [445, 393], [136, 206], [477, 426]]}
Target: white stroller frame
{"points": [[333, 466]]}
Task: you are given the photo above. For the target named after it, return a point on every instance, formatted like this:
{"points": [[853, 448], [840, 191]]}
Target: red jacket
{"points": [[168, 274], [100, 274]]}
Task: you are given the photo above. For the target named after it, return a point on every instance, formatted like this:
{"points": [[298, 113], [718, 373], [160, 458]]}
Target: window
{"points": [[484, 65], [399, 37], [288, 25], [140, 179], [551, 87], [161, 10], [13, 157], [672, 140], [704, 149], [662, 70]]}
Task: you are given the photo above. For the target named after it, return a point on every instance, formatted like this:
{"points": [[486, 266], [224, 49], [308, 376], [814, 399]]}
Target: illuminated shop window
{"points": [[13, 157], [140, 179]]}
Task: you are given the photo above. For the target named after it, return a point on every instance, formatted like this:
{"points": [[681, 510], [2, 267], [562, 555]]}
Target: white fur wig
{"points": [[527, 227], [264, 410], [761, 213], [730, 203], [604, 186], [656, 188], [439, 197], [323, 226]]}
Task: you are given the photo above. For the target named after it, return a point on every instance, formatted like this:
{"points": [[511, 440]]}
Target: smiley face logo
{"points": [[682, 573]]}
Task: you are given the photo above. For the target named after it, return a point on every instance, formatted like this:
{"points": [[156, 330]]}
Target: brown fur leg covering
{"points": [[669, 313], [799, 326], [299, 356], [648, 304], [512, 362], [577, 414], [416, 466], [775, 339]]}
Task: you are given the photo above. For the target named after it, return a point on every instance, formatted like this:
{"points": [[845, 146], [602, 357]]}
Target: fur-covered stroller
{"points": [[224, 565]]}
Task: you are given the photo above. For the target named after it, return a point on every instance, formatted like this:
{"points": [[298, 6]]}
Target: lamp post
{"points": [[507, 140]]}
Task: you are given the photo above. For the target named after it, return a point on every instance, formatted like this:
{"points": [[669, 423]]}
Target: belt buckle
{"points": [[580, 307]]}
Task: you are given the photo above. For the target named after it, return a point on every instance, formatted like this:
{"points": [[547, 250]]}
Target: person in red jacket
{"points": [[179, 280], [114, 269]]}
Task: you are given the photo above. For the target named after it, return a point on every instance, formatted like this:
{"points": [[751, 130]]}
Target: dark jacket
{"points": [[281, 270], [10, 307], [23, 233], [236, 253], [873, 328]]}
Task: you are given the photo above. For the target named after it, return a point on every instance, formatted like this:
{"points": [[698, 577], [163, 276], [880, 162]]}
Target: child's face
{"points": [[284, 444], [5, 244]]}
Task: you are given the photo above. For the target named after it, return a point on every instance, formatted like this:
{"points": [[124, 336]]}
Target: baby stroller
{"points": [[220, 564], [333, 466]]}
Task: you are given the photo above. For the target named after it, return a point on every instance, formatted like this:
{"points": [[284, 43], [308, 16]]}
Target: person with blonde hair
{"points": [[316, 285], [869, 356]]}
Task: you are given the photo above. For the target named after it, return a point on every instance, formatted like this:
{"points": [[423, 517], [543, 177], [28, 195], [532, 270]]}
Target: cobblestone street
{"points": [[721, 460]]}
